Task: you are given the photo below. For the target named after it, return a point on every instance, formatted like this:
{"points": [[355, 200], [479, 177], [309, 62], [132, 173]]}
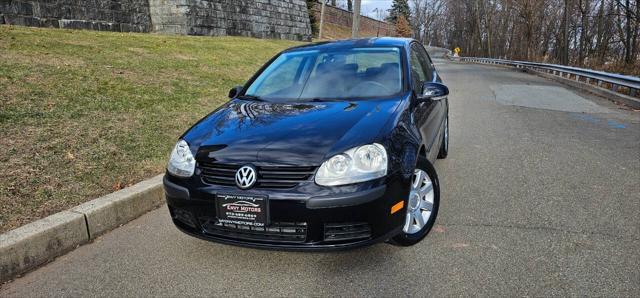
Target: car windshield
{"points": [[330, 75]]}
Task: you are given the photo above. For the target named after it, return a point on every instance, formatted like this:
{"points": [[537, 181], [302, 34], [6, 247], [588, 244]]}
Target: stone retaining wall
{"points": [[344, 18], [281, 19], [103, 15]]}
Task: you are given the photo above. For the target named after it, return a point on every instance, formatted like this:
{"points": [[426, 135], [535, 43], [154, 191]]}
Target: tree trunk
{"points": [[600, 44], [584, 32], [636, 32], [565, 35], [628, 46]]}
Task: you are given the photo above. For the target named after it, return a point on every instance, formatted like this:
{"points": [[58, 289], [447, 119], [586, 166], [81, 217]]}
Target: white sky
{"points": [[368, 7]]}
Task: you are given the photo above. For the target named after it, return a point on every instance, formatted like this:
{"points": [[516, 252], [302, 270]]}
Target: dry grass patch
{"points": [[84, 113]]}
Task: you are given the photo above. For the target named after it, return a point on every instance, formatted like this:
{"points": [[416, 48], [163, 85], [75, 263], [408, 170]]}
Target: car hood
{"points": [[301, 134]]}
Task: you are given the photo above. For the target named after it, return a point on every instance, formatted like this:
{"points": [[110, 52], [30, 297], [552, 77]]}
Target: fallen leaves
{"points": [[70, 156]]}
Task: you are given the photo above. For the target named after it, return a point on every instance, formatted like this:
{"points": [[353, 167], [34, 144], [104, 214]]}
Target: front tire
{"points": [[422, 205]]}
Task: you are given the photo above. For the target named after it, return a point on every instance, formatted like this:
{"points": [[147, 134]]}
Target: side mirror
{"points": [[235, 91], [433, 91]]}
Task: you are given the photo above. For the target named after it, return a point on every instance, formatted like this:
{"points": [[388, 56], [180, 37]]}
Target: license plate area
{"points": [[242, 209]]}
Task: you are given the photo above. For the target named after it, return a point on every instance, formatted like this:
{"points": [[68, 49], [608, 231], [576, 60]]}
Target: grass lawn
{"points": [[84, 113]]}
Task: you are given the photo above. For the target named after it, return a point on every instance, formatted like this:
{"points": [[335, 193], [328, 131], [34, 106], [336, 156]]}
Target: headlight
{"points": [[181, 163], [358, 164]]}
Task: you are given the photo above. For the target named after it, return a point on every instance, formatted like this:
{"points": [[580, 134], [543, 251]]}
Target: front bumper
{"points": [[298, 221]]}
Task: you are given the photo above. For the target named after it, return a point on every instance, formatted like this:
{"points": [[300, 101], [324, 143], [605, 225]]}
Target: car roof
{"points": [[355, 43]]}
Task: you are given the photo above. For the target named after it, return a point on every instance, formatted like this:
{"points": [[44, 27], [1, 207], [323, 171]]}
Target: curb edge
{"points": [[29, 246]]}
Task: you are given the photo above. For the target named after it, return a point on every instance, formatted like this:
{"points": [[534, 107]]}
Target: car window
{"points": [[418, 75], [330, 74], [283, 76], [425, 61]]}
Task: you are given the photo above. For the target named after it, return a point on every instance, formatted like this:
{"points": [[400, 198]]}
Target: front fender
{"points": [[403, 140]]}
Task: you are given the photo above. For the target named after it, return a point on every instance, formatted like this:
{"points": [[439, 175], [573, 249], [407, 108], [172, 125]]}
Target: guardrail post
{"points": [[632, 92], [578, 78], [614, 87]]}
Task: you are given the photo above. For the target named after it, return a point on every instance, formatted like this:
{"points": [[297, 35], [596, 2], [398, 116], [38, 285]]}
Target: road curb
{"points": [[36, 243], [112, 210]]}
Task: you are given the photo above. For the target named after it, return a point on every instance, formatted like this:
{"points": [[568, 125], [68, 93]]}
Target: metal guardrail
{"points": [[615, 81], [437, 52]]}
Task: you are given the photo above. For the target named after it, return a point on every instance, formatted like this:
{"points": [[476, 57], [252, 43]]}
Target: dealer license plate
{"points": [[242, 210]]}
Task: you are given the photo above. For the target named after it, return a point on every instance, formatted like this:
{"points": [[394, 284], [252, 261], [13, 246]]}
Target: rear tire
{"points": [[422, 207], [444, 148]]}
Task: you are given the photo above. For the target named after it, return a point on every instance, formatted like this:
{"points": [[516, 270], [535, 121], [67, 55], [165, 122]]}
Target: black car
{"points": [[329, 145]]}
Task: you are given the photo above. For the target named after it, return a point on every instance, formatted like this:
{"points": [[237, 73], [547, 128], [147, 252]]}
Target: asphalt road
{"points": [[541, 196]]}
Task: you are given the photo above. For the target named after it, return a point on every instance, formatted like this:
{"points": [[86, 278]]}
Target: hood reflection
{"points": [[261, 113], [299, 134]]}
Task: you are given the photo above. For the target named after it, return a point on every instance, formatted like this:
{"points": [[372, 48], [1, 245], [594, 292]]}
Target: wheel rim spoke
{"points": [[425, 205], [419, 218], [418, 179], [409, 220], [426, 189], [418, 213]]}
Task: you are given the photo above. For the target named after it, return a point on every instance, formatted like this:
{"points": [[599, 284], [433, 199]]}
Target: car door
{"points": [[441, 107], [426, 112]]}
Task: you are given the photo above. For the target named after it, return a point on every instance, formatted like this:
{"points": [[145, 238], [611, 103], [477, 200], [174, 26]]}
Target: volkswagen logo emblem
{"points": [[246, 177]]}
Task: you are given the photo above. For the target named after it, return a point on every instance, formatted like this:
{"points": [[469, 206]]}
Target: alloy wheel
{"points": [[420, 204]]}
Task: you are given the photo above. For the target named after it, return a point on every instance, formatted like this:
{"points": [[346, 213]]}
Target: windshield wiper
{"points": [[251, 97], [323, 99]]}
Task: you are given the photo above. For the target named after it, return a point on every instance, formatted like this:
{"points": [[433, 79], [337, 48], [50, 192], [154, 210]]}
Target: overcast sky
{"points": [[368, 6]]}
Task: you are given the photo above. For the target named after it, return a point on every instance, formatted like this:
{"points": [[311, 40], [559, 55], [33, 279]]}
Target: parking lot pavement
{"points": [[538, 198]]}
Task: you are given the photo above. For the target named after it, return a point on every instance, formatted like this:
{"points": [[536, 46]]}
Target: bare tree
{"points": [[592, 33]]}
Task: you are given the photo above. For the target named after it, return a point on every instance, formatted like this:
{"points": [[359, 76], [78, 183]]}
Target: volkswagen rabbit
{"points": [[329, 145]]}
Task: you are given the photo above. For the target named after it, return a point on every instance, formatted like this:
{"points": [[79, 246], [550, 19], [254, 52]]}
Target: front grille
{"points": [[346, 231], [290, 232], [268, 176]]}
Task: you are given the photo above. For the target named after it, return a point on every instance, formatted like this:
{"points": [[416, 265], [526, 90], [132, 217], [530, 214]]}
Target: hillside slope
{"points": [[84, 113]]}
